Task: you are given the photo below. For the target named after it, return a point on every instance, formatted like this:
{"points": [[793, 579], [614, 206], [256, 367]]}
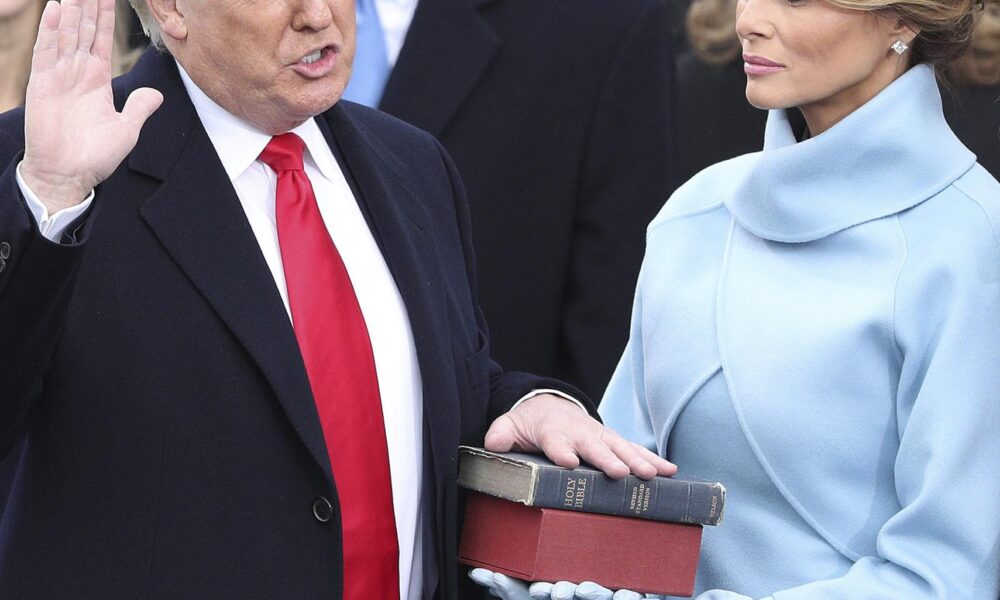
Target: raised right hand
{"points": [[74, 137]]}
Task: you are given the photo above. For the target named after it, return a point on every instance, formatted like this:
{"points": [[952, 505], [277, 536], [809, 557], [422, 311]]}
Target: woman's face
{"points": [[10, 8], [824, 59]]}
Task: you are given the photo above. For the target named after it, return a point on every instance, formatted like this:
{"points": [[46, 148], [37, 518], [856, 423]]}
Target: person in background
{"points": [[559, 116], [972, 103], [718, 123], [18, 26], [678, 21], [816, 325]]}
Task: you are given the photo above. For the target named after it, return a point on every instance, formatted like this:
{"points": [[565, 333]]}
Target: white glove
{"points": [[500, 585], [724, 595], [509, 588]]}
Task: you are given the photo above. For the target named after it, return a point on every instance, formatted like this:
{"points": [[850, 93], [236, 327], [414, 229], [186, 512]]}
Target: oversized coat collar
{"points": [[889, 155]]}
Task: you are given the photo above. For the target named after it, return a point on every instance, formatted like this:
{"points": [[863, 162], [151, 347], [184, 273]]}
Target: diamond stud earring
{"points": [[899, 46]]}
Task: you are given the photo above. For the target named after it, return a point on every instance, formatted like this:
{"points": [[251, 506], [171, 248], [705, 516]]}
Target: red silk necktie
{"points": [[333, 339]]}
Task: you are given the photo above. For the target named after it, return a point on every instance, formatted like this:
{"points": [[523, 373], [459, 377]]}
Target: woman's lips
{"points": [[758, 65]]}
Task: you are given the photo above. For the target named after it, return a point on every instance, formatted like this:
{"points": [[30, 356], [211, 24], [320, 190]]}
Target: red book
{"points": [[547, 544]]}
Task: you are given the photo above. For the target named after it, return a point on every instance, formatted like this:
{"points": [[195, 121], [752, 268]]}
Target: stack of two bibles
{"points": [[532, 520]]}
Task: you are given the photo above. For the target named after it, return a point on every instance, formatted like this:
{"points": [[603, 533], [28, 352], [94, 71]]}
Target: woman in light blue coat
{"points": [[817, 325]]}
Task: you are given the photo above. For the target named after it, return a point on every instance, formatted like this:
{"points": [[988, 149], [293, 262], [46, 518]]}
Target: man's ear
{"points": [[170, 15]]}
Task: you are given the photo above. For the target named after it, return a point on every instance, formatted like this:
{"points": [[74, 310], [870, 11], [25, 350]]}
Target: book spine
{"points": [[661, 499]]}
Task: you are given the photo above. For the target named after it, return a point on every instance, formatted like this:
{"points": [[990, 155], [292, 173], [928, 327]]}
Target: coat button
{"points": [[4, 250], [322, 509]]}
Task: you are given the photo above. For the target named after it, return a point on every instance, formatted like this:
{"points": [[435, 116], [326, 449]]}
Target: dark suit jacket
{"points": [[974, 114], [558, 114], [172, 445]]}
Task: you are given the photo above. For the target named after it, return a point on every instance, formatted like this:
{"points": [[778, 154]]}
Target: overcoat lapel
{"points": [[435, 75], [404, 232], [197, 217]]}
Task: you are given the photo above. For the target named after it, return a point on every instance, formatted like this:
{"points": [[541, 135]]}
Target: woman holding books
{"points": [[817, 325]]}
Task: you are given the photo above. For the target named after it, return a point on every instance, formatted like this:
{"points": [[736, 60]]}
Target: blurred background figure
{"points": [[18, 25], [716, 121], [678, 14], [18, 28], [973, 107], [558, 116]]}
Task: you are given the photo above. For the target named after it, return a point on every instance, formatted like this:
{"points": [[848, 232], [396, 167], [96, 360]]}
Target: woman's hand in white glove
{"points": [[509, 588]]}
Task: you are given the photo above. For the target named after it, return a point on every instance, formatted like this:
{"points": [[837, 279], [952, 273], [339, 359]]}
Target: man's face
{"points": [[272, 63]]}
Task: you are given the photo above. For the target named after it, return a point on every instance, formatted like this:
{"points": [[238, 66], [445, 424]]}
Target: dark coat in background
{"points": [[716, 122], [974, 114], [558, 114], [171, 444]]}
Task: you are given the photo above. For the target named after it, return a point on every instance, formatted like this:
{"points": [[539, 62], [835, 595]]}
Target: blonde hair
{"points": [[980, 65], [945, 26], [711, 30]]}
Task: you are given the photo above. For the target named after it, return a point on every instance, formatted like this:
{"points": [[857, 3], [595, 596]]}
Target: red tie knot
{"points": [[284, 153]]}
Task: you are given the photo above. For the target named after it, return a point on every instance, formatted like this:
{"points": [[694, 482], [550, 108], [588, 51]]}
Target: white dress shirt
{"points": [[239, 146]]}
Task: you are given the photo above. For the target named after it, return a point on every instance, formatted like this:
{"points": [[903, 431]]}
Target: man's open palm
{"points": [[74, 137]]}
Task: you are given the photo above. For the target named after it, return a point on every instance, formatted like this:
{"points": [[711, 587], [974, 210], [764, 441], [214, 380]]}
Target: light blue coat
{"points": [[848, 289]]}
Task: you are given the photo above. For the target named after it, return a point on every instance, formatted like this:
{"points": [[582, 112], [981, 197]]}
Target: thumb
{"points": [[140, 105], [501, 435]]}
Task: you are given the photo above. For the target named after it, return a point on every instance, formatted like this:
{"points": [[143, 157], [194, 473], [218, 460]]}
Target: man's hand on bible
{"points": [[566, 434]]}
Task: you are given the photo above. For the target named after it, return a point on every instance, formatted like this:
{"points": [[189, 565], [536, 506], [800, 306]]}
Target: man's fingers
{"points": [[627, 595], [105, 32], [599, 454], [501, 435], [663, 466], [69, 27], [139, 106], [47, 43], [88, 26], [561, 452]]}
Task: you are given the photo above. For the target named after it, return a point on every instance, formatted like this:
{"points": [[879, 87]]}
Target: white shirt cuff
{"points": [[534, 393], [51, 226]]}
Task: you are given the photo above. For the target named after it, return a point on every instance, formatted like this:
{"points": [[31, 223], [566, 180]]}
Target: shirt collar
{"points": [[889, 155], [239, 144]]}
